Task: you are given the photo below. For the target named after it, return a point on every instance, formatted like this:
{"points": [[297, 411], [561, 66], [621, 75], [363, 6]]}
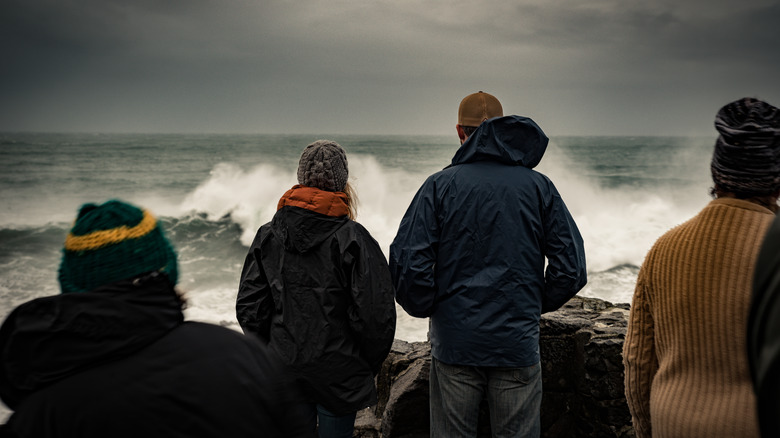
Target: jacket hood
{"points": [[308, 216], [50, 338], [514, 140]]}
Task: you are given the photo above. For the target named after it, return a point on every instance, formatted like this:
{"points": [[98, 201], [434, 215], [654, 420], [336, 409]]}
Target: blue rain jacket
{"points": [[471, 249]]}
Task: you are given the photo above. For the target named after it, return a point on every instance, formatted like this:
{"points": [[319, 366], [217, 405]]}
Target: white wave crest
{"points": [[617, 225], [249, 197]]}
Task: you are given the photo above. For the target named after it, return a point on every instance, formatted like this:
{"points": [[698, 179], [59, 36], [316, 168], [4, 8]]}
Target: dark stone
{"points": [[582, 373], [406, 414]]}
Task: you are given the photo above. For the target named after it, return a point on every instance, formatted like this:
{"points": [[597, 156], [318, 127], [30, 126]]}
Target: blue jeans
{"points": [[334, 426], [514, 397]]}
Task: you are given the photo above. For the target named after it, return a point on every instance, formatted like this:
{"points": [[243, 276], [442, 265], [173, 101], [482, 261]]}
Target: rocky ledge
{"points": [[582, 371]]}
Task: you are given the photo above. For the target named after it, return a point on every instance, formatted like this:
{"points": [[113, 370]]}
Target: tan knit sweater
{"points": [[685, 355]]}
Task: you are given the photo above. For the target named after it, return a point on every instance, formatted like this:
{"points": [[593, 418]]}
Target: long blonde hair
{"points": [[352, 200]]}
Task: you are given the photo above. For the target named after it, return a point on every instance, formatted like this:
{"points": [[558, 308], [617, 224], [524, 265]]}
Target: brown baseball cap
{"points": [[478, 107]]}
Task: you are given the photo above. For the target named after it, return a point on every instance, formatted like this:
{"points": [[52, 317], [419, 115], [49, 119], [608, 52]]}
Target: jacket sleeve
{"points": [[372, 313], [413, 255], [639, 360], [254, 304], [566, 273]]}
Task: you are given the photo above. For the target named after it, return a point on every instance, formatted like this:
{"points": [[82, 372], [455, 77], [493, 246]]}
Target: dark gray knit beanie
{"points": [[323, 165], [746, 160]]}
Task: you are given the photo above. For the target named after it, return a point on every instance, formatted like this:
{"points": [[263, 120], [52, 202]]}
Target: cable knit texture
{"points": [[323, 165], [686, 371]]}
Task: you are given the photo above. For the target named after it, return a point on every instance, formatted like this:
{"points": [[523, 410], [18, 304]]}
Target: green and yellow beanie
{"points": [[112, 242]]}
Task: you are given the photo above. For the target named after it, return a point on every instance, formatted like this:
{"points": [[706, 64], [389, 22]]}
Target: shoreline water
{"points": [[212, 192]]}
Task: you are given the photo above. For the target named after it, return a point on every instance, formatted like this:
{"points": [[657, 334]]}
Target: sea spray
{"points": [[248, 197], [622, 204], [212, 192]]}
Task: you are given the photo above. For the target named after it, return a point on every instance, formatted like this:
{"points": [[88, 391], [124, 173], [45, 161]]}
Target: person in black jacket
{"points": [[763, 331], [112, 355], [470, 253], [316, 288]]}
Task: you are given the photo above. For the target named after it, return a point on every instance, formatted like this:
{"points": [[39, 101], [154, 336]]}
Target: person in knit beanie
{"points": [[685, 354], [316, 288], [746, 159], [112, 355], [112, 242], [323, 172]]}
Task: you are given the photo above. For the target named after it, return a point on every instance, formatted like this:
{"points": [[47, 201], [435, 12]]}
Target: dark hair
{"points": [[717, 191], [468, 130], [767, 200]]}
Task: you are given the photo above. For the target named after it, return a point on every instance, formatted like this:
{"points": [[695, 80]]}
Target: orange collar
{"points": [[320, 201]]}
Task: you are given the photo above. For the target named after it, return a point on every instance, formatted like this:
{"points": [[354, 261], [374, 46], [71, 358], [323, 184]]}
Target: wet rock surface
{"points": [[582, 370]]}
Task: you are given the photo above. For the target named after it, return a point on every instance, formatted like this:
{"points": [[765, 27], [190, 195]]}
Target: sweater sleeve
{"points": [[639, 359]]}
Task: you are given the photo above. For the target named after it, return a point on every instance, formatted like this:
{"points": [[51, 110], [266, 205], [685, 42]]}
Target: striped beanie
{"points": [[112, 242], [746, 160], [323, 165]]}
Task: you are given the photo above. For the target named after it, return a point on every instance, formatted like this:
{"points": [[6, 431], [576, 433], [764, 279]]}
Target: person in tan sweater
{"points": [[686, 368]]}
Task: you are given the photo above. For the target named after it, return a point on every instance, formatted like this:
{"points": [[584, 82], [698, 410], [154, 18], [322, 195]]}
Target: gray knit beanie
{"points": [[746, 159], [323, 165]]}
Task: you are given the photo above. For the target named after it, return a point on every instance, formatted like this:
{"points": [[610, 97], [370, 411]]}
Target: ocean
{"points": [[212, 192]]}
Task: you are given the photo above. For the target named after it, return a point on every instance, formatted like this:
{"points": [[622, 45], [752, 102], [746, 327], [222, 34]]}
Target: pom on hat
{"points": [[323, 165], [478, 107], [112, 242], [746, 160]]}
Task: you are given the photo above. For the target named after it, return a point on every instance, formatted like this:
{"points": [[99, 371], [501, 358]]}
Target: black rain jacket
{"points": [[471, 249], [120, 362], [317, 289], [763, 334]]}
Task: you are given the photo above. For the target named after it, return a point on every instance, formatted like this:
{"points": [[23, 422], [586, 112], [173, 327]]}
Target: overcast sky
{"points": [[577, 67]]}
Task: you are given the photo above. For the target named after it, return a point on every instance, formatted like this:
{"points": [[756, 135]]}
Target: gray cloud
{"points": [[597, 67]]}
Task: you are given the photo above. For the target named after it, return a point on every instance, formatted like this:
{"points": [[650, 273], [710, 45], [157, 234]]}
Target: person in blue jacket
{"points": [[470, 254]]}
